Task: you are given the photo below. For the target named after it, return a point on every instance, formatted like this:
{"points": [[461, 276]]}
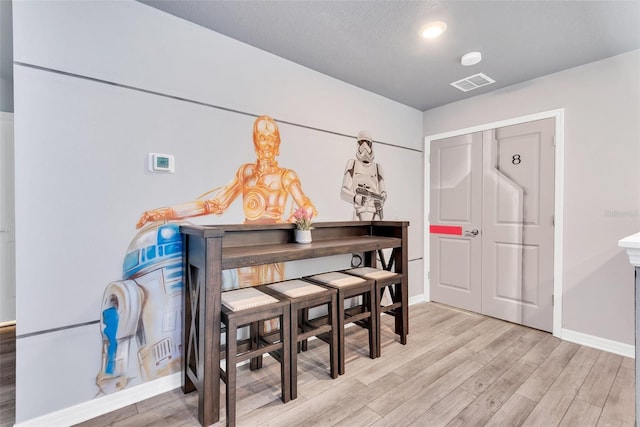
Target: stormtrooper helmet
{"points": [[365, 147]]}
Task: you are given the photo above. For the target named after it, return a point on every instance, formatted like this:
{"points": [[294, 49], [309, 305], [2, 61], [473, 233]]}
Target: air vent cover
{"points": [[472, 82]]}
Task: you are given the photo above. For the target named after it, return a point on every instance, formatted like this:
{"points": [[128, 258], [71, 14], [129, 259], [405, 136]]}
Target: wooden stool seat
{"points": [[398, 290], [363, 314], [250, 307], [296, 288], [242, 299], [302, 296]]}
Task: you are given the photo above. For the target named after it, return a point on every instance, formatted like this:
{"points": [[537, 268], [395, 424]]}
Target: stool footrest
{"points": [[243, 346], [245, 352], [385, 308], [354, 314], [306, 335]]}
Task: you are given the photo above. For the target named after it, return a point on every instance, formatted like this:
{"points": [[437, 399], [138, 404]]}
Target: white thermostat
{"points": [[161, 163]]}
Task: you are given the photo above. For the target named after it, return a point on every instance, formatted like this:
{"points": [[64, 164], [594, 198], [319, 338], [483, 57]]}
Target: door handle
{"points": [[474, 232]]}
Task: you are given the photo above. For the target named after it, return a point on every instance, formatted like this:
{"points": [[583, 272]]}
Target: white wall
{"points": [[7, 235], [81, 147], [601, 182], [7, 222]]}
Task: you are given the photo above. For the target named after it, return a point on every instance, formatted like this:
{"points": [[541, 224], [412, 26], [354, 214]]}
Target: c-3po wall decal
{"points": [[146, 304]]}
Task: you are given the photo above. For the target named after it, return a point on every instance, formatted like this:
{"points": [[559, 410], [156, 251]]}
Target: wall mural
{"points": [[146, 304], [363, 186], [363, 182]]}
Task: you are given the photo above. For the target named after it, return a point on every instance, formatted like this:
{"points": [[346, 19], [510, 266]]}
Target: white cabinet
{"points": [[632, 245]]}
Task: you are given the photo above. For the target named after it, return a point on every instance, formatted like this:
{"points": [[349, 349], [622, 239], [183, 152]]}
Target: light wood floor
{"points": [[458, 369], [7, 375]]}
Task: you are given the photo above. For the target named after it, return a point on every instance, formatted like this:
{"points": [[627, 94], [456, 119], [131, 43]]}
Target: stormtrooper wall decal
{"points": [[363, 182]]}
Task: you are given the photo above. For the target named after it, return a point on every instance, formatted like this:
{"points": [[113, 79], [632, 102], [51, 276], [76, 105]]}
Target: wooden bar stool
{"points": [[398, 290], [302, 296], [363, 313], [248, 307]]}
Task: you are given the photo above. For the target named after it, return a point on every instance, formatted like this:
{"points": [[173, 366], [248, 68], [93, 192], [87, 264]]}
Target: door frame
{"points": [[558, 115]]}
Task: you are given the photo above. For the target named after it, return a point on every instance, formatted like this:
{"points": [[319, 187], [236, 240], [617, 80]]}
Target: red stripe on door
{"points": [[445, 229]]}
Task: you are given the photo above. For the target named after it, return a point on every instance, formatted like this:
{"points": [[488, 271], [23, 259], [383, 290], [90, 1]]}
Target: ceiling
{"points": [[375, 45]]}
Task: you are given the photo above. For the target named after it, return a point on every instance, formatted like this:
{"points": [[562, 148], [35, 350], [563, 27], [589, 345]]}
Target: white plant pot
{"points": [[303, 236]]}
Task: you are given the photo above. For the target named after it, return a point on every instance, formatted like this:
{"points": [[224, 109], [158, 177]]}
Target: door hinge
{"points": [[553, 302], [554, 140], [553, 220]]}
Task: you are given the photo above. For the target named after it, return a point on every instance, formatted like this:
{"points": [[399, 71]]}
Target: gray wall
{"points": [[601, 181], [6, 57]]}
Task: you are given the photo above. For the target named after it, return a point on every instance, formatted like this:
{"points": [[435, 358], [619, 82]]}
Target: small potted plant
{"points": [[302, 219]]}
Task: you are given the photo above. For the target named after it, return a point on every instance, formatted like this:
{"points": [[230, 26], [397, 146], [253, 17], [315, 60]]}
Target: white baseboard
{"points": [[417, 299], [105, 404], [604, 344], [626, 350]]}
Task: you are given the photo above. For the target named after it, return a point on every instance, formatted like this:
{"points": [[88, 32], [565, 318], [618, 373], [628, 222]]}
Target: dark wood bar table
{"points": [[209, 249]]}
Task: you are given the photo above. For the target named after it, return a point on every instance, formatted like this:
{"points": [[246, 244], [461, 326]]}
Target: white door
{"points": [[517, 223], [7, 222], [456, 199], [491, 222]]}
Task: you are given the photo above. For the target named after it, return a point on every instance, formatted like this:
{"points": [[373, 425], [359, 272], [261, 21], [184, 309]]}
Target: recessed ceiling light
{"points": [[433, 29], [471, 58]]}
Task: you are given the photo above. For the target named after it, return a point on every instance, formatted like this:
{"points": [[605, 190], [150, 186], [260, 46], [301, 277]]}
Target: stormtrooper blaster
{"points": [[366, 193]]}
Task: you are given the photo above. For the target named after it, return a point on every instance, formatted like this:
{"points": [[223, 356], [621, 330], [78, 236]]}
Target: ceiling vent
{"points": [[472, 82]]}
